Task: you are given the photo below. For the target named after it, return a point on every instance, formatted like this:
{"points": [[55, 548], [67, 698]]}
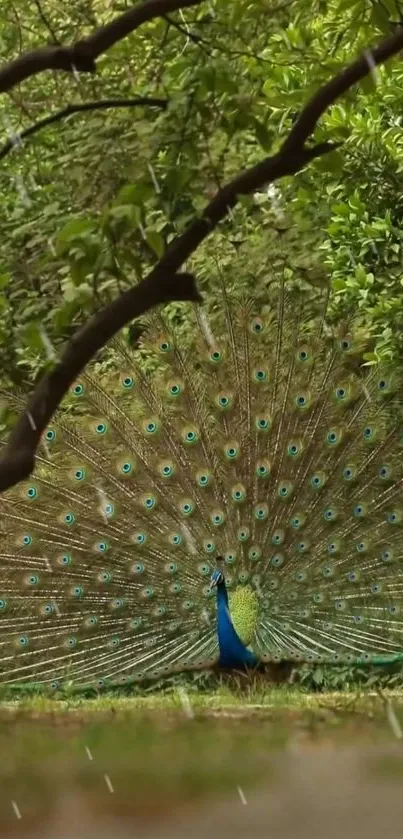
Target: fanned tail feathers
{"points": [[261, 438]]}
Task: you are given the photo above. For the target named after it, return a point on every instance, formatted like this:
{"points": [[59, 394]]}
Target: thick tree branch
{"points": [[79, 108], [163, 282], [340, 84], [82, 55], [18, 458], [162, 285]]}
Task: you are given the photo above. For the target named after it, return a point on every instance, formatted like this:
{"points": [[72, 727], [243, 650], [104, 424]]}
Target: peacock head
{"points": [[217, 578]]}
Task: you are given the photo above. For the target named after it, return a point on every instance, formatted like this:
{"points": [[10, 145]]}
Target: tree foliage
{"points": [[90, 201]]}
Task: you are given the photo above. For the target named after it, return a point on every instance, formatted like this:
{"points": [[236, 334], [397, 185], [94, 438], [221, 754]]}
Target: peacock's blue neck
{"points": [[233, 652]]}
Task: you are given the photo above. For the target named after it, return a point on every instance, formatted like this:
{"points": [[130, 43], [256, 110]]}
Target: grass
{"points": [[190, 701]]}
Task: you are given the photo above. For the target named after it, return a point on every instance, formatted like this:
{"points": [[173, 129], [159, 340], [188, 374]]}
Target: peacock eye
{"points": [[151, 426], [302, 400], [186, 507], [209, 547], [231, 451], [346, 343], [238, 492], [260, 375], [127, 382], [257, 326]]}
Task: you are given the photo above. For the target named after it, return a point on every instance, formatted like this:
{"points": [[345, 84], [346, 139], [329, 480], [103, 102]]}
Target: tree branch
{"points": [[18, 459], [340, 84], [82, 55], [48, 25], [163, 283], [75, 109]]}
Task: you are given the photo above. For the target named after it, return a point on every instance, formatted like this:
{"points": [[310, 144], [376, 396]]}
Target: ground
{"points": [[283, 764]]}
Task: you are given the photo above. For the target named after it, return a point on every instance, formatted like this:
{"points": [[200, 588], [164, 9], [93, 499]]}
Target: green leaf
{"points": [[32, 337], [333, 162], [380, 16], [262, 135], [75, 228], [368, 84], [318, 676], [392, 8], [156, 242], [138, 193]]}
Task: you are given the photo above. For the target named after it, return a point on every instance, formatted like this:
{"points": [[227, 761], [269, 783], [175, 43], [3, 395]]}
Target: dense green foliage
{"points": [[89, 202]]}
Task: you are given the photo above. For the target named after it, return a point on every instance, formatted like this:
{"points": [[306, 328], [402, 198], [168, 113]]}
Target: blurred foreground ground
{"points": [[325, 767]]}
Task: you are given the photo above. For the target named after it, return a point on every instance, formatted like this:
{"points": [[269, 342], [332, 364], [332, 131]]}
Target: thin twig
{"points": [[48, 25], [85, 106]]}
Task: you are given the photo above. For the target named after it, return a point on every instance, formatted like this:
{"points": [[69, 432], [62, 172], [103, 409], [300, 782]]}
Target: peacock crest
{"points": [[259, 437]]}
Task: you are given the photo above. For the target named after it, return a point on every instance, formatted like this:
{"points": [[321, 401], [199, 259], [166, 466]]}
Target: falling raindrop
{"points": [[372, 66], [16, 809], [49, 348], [185, 702], [109, 783], [31, 421], [206, 328], [21, 188], [241, 795]]}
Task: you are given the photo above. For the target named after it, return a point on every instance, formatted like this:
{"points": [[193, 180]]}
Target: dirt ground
{"points": [[320, 792], [321, 775]]}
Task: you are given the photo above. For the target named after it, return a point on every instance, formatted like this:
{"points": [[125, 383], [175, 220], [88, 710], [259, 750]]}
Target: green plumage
{"points": [[263, 439]]}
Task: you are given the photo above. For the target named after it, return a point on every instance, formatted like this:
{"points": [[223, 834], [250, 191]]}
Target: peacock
{"points": [[225, 491]]}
